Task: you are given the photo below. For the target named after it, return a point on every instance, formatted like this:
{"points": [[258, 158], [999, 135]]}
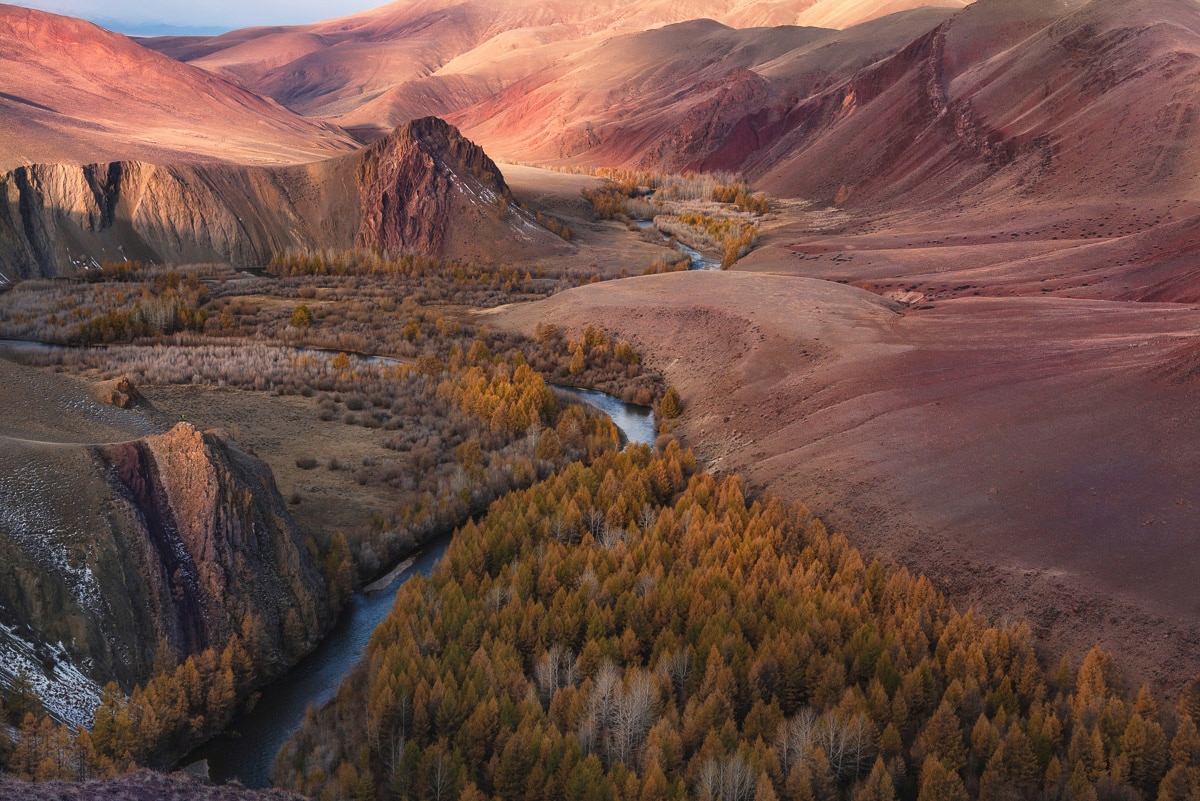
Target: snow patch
{"points": [[67, 694], [30, 516]]}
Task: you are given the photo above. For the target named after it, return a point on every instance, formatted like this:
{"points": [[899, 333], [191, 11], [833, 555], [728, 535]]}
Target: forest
{"points": [[467, 413], [635, 628]]}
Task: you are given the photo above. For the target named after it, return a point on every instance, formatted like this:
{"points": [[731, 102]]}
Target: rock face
{"points": [[56, 219], [213, 543], [407, 182], [424, 189], [108, 550]]}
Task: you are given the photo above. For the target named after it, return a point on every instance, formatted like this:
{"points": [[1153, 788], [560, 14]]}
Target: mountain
{"points": [[74, 92], [1011, 147], [119, 532], [1032, 148], [424, 189], [414, 58], [692, 94]]}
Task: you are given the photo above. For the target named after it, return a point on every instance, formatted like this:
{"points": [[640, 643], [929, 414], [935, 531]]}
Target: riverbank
{"points": [[247, 748]]}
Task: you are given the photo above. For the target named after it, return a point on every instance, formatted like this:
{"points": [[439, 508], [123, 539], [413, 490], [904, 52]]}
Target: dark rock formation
{"points": [[214, 543], [406, 184], [108, 550]]}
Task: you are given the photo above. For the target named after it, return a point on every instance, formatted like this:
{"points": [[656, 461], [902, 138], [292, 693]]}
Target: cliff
{"points": [[424, 189], [214, 543], [111, 544], [407, 184]]}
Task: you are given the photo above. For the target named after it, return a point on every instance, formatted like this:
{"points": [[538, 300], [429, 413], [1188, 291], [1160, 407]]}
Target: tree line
{"points": [[185, 702]]}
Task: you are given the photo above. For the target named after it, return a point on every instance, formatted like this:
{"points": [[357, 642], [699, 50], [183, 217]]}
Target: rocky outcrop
{"points": [[424, 189], [59, 219], [214, 544], [119, 392], [108, 550], [407, 183]]}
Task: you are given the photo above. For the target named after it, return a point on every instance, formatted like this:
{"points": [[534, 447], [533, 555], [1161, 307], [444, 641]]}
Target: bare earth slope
{"points": [[691, 94], [414, 58], [424, 189], [1031, 148], [73, 92], [1034, 456]]}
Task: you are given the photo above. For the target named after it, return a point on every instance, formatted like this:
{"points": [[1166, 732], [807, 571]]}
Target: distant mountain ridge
{"points": [[445, 55]]}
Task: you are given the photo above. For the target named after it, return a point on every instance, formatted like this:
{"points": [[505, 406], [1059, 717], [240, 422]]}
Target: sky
{"points": [[211, 15]]}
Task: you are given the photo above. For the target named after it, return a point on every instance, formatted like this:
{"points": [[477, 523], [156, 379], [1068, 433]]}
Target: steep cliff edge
{"points": [[417, 182], [215, 543], [109, 548], [424, 189]]}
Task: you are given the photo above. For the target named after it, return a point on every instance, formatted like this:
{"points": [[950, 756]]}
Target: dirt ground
{"points": [[1034, 456], [282, 429], [609, 246], [57, 419], [1129, 250]]}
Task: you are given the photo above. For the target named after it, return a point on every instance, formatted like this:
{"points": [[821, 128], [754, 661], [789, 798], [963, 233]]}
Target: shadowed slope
{"points": [[1029, 147]]}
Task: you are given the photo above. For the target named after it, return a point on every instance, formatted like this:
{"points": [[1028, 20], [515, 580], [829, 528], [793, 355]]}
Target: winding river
{"points": [[636, 423], [247, 749], [698, 260]]}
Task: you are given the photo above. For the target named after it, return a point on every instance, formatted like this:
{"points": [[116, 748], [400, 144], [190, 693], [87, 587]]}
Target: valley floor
{"points": [[1033, 455]]}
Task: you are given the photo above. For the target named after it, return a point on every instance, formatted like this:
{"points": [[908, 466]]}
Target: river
{"points": [[698, 260], [636, 423], [247, 749]]}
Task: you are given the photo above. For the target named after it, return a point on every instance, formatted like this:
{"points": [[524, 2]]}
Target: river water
{"points": [[246, 750], [699, 260], [635, 422]]}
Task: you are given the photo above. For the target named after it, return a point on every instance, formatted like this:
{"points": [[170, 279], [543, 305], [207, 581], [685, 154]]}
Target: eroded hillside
{"points": [[117, 538], [423, 190]]}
